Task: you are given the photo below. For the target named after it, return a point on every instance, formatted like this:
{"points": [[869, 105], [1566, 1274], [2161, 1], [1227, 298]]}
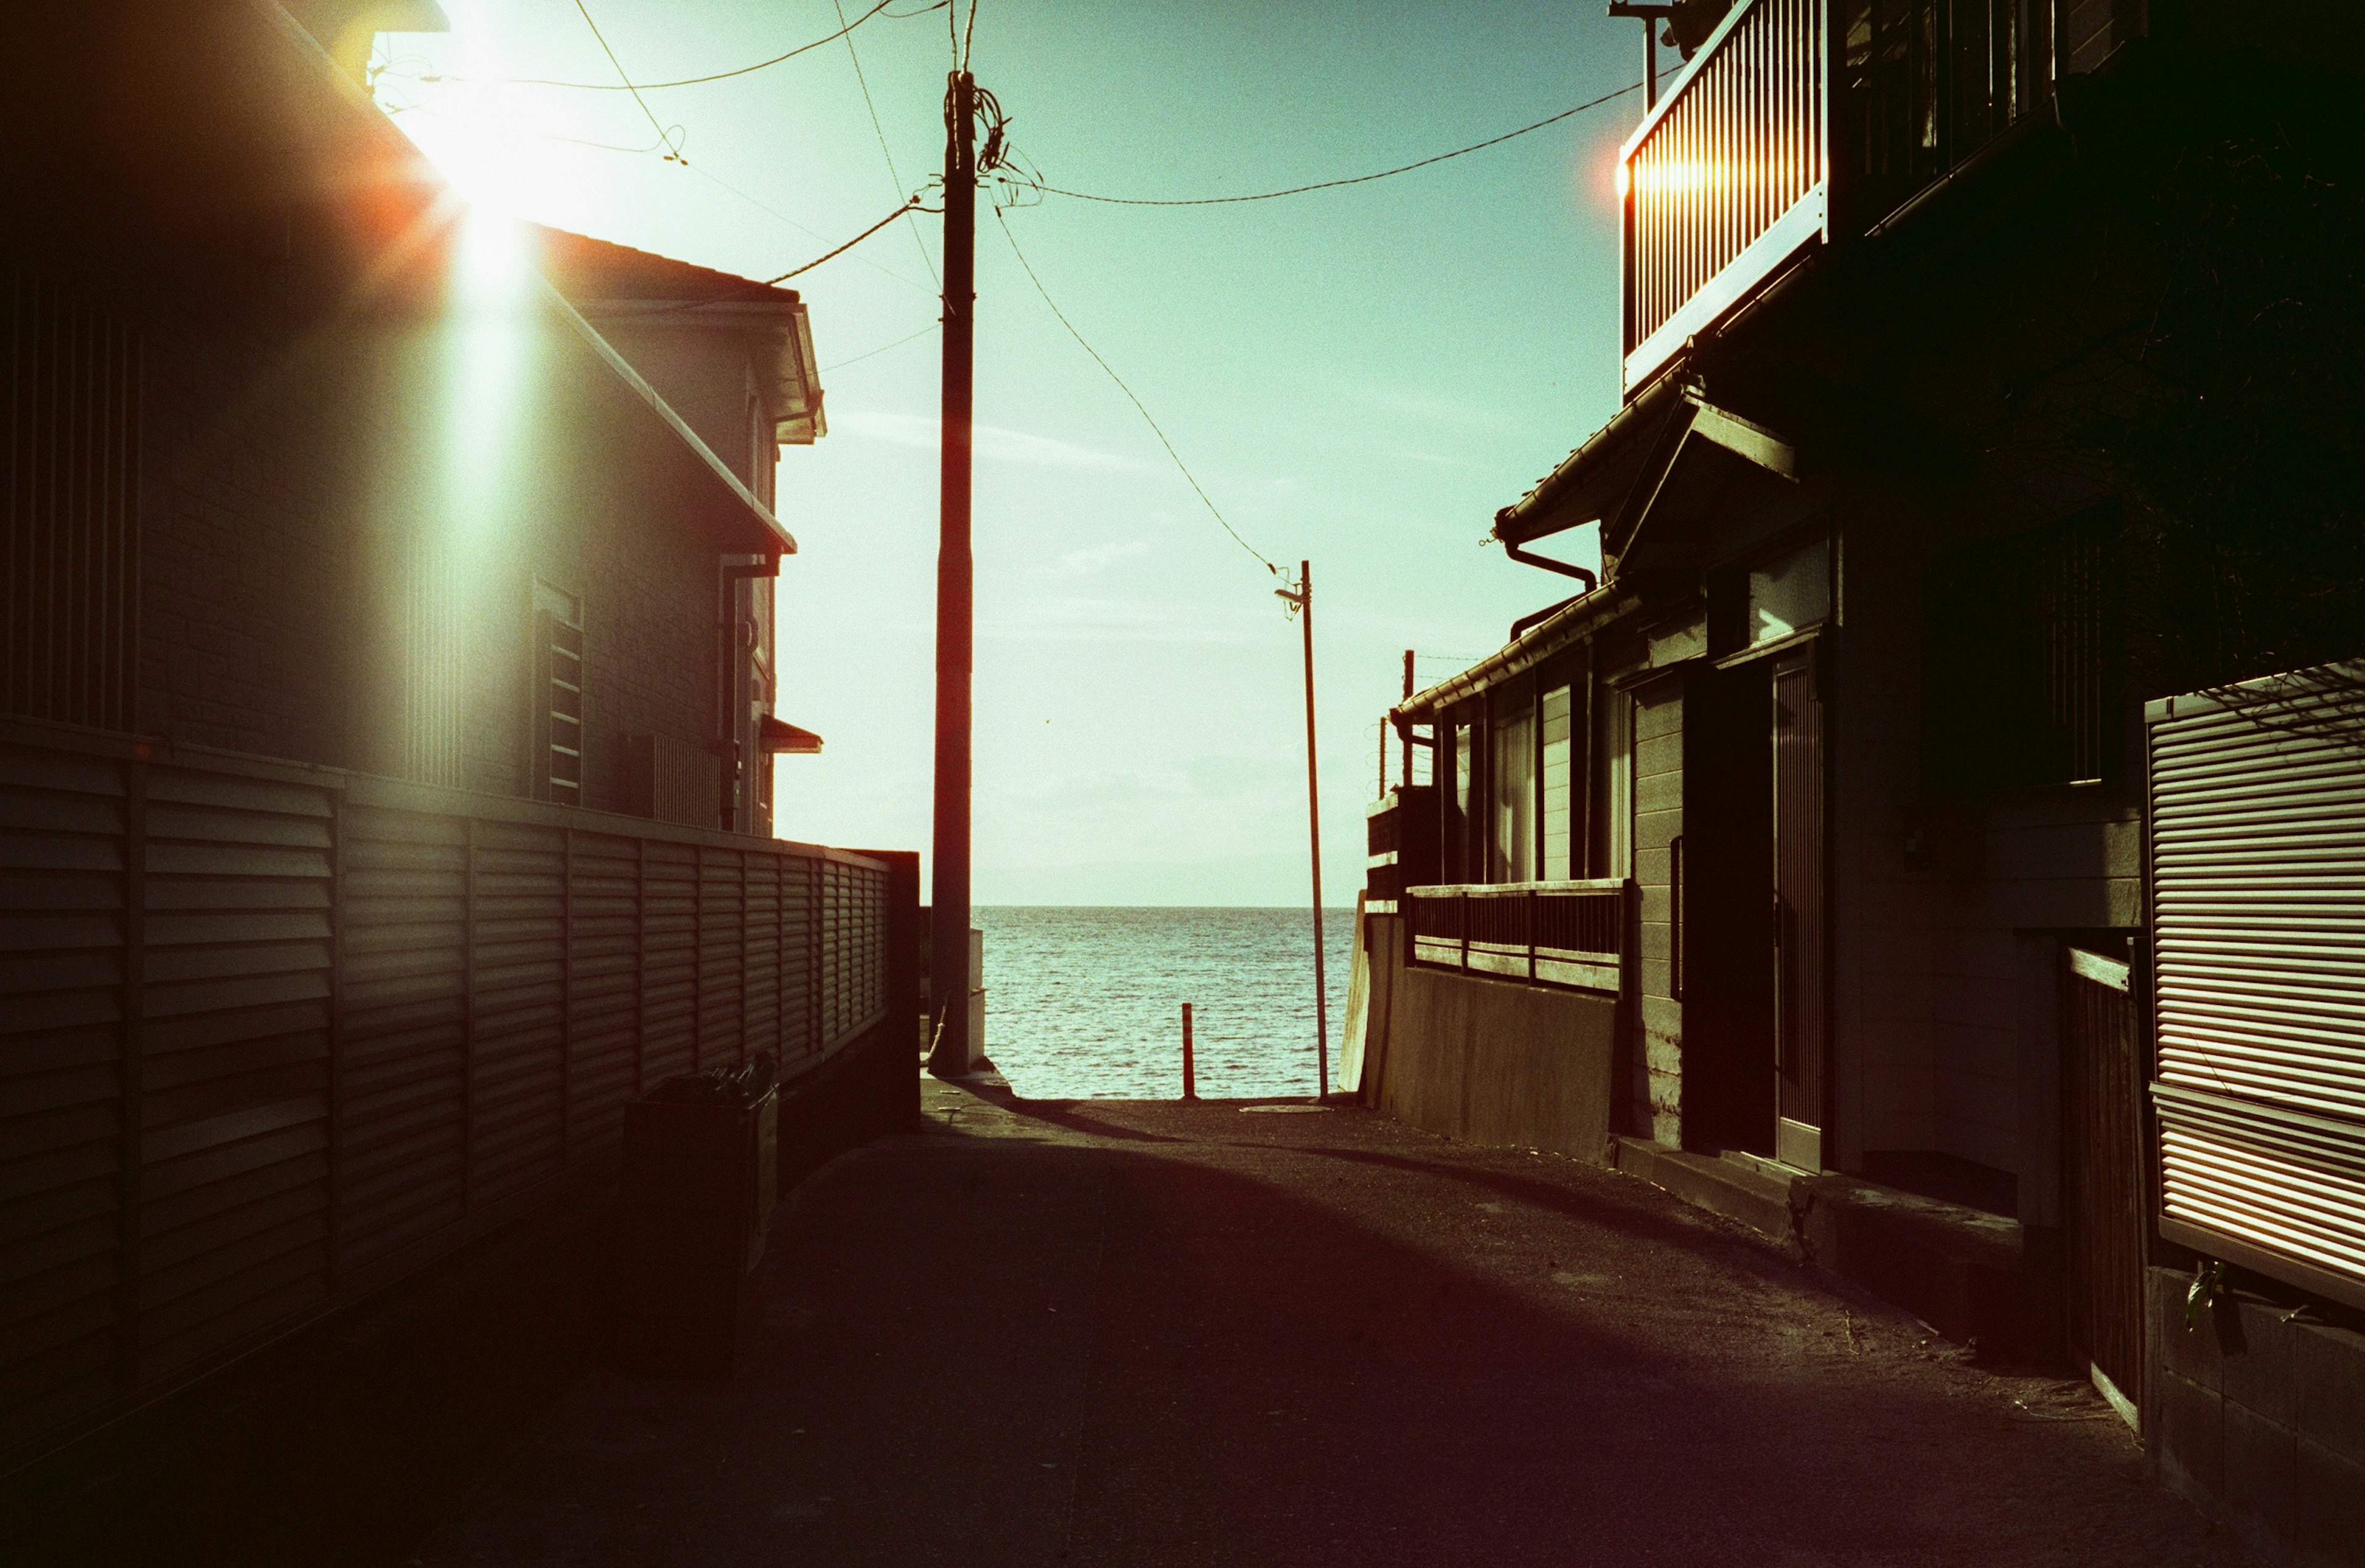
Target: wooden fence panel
{"points": [[402, 1132], [232, 1097], [63, 829], [721, 953], [270, 1037], [603, 986], [800, 955], [668, 960], [517, 1010]]}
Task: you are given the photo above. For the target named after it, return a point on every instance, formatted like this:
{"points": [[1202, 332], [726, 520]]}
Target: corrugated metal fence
{"points": [[270, 1037]]}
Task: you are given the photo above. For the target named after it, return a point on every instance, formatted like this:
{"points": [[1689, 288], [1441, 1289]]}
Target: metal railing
{"points": [[1798, 120], [271, 1035], [1561, 934], [1727, 178]]}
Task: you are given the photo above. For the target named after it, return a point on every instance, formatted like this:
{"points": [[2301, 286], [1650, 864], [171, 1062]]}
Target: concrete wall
{"points": [[2259, 1421], [1947, 908], [1488, 1061]]}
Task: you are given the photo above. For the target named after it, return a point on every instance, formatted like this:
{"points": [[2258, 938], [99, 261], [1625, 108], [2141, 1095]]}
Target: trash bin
{"points": [[700, 1162]]}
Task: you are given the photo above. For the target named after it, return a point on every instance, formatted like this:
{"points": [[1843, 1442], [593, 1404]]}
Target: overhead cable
{"points": [[1352, 180], [861, 81], [673, 153], [1139, 406], [910, 205], [874, 353], [697, 81]]}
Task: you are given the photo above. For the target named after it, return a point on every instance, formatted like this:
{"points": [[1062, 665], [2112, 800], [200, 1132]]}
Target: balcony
{"points": [[1558, 933], [1802, 123]]}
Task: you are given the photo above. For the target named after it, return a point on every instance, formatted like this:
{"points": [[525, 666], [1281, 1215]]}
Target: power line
{"points": [[847, 34], [697, 81], [968, 36], [1354, 180], [701, 169], [672, 153], [794, 272], [874, 353], [1004, 224], [910, 203]]}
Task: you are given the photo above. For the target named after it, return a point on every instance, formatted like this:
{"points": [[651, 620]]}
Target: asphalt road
{"points": [[1142, 1334]]}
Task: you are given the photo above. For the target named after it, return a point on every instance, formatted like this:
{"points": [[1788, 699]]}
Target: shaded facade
{"points": [[384, 691], [1851, 730]]}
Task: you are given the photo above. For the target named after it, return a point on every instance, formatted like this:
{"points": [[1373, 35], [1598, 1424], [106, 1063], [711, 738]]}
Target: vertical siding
{"points": [[1658, 719], [270, 1036], [70, 409]]}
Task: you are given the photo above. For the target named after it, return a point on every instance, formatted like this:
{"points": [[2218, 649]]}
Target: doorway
{"points": [[1801, 944], [1756, 943], [2102, 1223]]}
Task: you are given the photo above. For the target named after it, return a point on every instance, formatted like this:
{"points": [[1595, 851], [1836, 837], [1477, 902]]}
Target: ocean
{"points": [[1088, 1002]]}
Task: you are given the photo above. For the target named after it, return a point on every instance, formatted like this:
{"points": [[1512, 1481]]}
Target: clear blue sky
{"points": [[1359, 376]]}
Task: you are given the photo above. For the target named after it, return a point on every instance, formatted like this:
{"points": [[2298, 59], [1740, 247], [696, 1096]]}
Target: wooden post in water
{"points": [[1190, 1079]]}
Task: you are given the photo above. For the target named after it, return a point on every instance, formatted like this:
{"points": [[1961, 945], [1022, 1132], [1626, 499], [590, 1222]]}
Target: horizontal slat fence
{"points": [[1569, 934], [270, 1037]]}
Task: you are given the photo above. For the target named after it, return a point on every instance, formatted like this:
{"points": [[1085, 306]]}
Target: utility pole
{"points": [[949, 981], [1301, 600], [1407, 728]]}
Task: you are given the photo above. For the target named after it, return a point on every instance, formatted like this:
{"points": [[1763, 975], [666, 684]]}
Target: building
{"points": [[385, 709], [1800, 864]]}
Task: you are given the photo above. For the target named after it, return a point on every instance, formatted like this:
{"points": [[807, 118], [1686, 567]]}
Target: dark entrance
{"points": [[1755, 941], [1801, 943], [2102, 1171]]}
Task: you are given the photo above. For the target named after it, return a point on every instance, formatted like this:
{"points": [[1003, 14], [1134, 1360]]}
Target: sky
{"points": [[1357, 377]]}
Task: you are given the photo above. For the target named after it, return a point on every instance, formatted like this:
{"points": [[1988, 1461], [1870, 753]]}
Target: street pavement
{"points": [[1147, 1334]]}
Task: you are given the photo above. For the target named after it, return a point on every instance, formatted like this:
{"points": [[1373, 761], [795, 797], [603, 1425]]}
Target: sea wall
{"points": [[1489, 1062]]}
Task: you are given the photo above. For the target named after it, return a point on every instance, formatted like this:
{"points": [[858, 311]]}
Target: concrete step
{"points": [[1969, 1274], [1738, 1190]]}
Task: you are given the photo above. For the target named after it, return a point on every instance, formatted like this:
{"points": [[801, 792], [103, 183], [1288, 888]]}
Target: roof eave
{"points": [[738, 493]]}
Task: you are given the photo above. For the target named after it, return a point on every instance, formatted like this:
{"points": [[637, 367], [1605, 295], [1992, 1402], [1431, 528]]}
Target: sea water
{"points": [[1088, 1002]]}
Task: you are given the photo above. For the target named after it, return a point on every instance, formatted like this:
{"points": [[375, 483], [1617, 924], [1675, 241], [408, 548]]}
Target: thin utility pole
{"points": [[1407, 728], [949, 981], [1302, 599]]}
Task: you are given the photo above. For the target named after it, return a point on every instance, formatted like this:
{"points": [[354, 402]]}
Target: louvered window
{"points": [[2257, 862], [559, 688]]}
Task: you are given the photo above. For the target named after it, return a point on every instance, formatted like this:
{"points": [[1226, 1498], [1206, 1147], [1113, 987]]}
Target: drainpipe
{"points": [[1526, 559]]}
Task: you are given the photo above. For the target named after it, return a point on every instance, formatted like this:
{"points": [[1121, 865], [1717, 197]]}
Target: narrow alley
{"points": [[1147, 1333]]}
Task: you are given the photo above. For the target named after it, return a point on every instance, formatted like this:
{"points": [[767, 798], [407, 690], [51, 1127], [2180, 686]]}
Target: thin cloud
{"points": [[992, 444]]}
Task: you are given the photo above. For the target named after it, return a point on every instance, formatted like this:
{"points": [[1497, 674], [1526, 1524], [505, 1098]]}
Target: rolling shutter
{"points": [[2257, 862]]}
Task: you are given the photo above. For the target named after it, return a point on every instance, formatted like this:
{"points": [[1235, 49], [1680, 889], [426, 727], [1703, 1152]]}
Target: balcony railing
{"points": [[1561, 934], [1799, 120]]}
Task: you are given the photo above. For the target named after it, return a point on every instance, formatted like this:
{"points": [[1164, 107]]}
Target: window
{"points": [[1458, 809], [557, 695], [1621, 805], [1556, 793], [1514, 780], [2020, 648], [1789, 592]]}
